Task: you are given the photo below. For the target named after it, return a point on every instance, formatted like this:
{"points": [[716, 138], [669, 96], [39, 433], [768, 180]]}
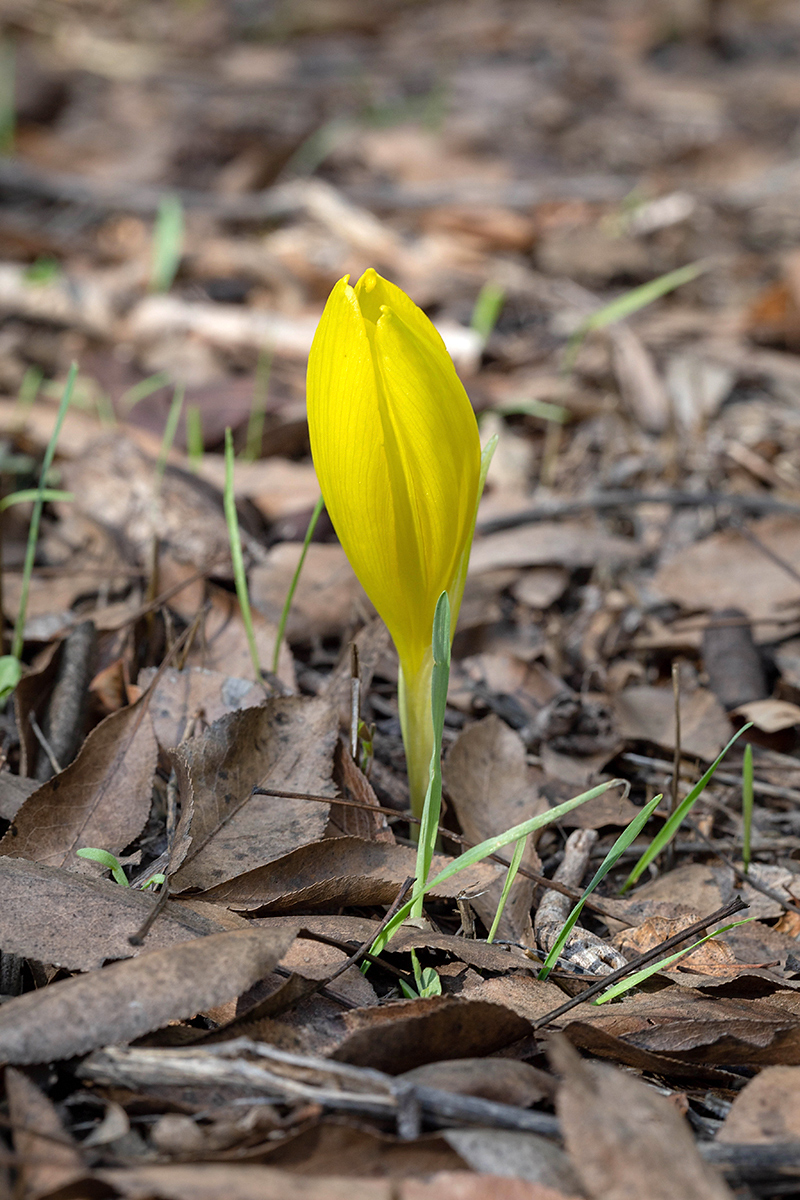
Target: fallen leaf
{"points": [[340, 871], [770, 715], [550, 543], [647, 714], [353, 784], [462, 1185], [239, 1181], [101, 799], [47, 1158], [285, 743], [488, 781], [328, 597], [507, 1153], [58, 917], [409, 1033], [504, 1080], [128, 999], [766, 1110], [182, 697], [625, 1140], [222, 645]]}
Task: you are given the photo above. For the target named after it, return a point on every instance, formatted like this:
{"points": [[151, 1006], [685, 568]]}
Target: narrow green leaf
{"points": [[10, 675], [237, 558], [110, 861], [747, 804], [440, 677], [287, 604], [167, 243], [48, 495], [674, 821], [628, 835], [511, 874], [170, 429], [488, 306]]}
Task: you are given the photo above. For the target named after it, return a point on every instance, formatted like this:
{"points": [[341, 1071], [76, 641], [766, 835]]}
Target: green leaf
{"points": [[511, 874], [674, 821], [237, 558], [287, 604], [628, 835], [440, 677], [48, 495], [110, 861], [167, 243], [10, 675]]}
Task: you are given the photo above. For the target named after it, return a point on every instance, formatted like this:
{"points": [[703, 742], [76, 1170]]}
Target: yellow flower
{"points": [[397, 454]]}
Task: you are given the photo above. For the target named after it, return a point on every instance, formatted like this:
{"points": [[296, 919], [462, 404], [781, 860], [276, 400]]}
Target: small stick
{"points": [[355, 699], [669, 851]]}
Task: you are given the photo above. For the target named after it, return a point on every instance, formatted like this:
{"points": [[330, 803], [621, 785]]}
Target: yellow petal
{"points": [[396, 448]]}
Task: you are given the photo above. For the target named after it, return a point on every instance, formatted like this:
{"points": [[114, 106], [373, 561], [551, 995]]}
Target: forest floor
{"points": [[181, 184]]}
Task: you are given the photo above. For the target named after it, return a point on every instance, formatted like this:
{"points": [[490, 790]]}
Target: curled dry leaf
{"points": [[75, 921], [101, 799], [286, 743], [624, 1139], [489, 783], [131, 998], [340, 871], [411, 1033]]}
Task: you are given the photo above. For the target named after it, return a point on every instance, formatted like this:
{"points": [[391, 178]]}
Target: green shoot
{"points": [[141, 390], [491, 845], [36, 517], [29, 388], [27, 495], [488, 306], [632, 981], [45, 269], [630, 303], [429, 828], [535, 408], [170, 429], [427, 981], [8, 108], [167, 244], [675, 819], [628, 835], [156, 880], [110, 861], [258, 409], [313, 150], [195, 445], [237, 558], [511, 874], [747, 804], [287, 604]]}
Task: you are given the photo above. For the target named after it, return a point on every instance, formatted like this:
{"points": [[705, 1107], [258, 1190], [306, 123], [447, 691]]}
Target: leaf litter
{"points": [[632, 602]]}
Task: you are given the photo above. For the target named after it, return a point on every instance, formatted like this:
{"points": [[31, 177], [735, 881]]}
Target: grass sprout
{"points": [[440, 677], [112, 863], [140, 391], [258, 409], [170, 429], [488, 306], [235, 539], [167, 243], [511, 874], [747, 804], [628, 835], [8, 108], [491, 845], [195, 446], [632, 981], [675, 819], [287, 604]]}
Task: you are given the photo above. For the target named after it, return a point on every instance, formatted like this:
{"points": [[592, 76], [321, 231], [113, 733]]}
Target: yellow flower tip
{"points": [[396, 447]]}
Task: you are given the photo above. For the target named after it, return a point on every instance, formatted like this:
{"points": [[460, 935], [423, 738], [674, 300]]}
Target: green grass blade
{"points": [[110, 861], [491, 845], [29, 388], [625, 985], [167, 243], [488, 306], [287, 604], [49, 496], [140, 391], [747, 804], [534, 408], [630, 303], [258, 409], [195, 445], [8, 108], [234, 537], [628, 835], [674, 821], [440, 677], [170, 429], [36, 515], [511, 874]]}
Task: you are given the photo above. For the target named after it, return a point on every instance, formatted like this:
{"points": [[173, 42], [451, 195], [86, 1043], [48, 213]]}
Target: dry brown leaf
{"points": [[766, 1110], [14, 791], [521, 1156], [770, 716], [101, 799], [47, 1157], [710, 958], [340, 871], [287, 743], [128, 999], [550, 543], [221, 643], [410, 1033], [181, 698], [488, 780], [75, 921], [353, 784], [328, 597], [502, 1079], [463, 1185], [647, 714], [239, 1181], [728, 571], [625, 1140]]}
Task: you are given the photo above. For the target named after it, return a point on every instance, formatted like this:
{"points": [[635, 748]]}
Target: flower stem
{"points": [[414, 702]]}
